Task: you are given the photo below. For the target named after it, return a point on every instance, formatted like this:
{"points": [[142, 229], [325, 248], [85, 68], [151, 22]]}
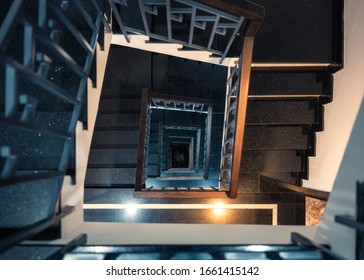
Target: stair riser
{"points": [[264, 138], [115, 138], [114, 156], [117, 120], [271, 161], [110, 176], [282, 112]]}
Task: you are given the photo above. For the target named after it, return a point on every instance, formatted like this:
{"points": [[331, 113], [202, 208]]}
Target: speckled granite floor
{"points": [[285, 203], [315, 208]]}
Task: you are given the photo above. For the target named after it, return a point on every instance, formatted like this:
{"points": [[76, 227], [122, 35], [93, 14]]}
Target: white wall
{"points": [[124, 233], [340, 115], [72, 195], [343, 196], [340, 150]]}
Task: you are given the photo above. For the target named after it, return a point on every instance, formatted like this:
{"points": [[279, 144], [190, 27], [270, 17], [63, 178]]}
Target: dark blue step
{"points": [[23, 204], [275, 111], [271, 161], [30, 252], [127, 71], [115, 138], [296, 42], [105, 177], [117, 120], [35, 150], [287, 82], [119, 105], [112, 156], [279, 137]]}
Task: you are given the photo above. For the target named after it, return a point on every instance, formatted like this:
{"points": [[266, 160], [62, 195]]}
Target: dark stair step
{"points": [[127, 71], [296, 42], [272, 161], [160, 76], [178, 76], [117, 120], [283, 111], [112, 156], [289, 82], [280, 137], [119, 104], [38, 150], [23, 204], [110, 177], [250, 182], [115, 138], [30, 252]]}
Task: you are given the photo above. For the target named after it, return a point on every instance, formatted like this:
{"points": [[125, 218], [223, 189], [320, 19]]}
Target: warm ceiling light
{"points": [[131, 209], [219, 208]]}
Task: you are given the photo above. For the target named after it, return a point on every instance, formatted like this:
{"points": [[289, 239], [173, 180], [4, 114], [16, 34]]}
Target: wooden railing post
{"points": [[245, 66]]}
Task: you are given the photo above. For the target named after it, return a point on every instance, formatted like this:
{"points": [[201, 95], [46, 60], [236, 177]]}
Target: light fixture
{"points": [[219, 209], [131, 209]]}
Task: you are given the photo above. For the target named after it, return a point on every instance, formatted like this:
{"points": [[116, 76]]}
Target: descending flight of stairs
{"points": [[285, 109]]}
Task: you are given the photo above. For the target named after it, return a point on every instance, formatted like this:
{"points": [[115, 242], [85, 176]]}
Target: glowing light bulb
{"points": [[219, 208], [131, 209]]}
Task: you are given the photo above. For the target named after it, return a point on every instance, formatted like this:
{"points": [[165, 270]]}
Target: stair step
{"points": [[118, 111], [111, 165], [30, 252], [118, 120], [26, 203], [127, 61], [119, 104], [110, 176], [115, 138], [300, 44], [266, 138], [112, 156], [283, 111], [271, 161], [38, 150], [285, 82]]}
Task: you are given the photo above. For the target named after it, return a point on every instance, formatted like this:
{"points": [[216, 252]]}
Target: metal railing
{"points": [[192, 24], [228, 136], [46, 56]]}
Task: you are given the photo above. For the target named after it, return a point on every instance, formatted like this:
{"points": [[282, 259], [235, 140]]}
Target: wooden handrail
{"points": [[243, 8], [321, 195], [244, 79]]}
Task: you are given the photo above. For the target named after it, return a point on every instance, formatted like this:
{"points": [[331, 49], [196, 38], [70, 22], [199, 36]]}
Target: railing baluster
{"points": [[192, 26], [169, 20], [232, 38], [86, 16], [74, 31], [144, 17], [42, 54], [213, 32], [118, 19], [11, 92], [41, 81], [29, 47]]}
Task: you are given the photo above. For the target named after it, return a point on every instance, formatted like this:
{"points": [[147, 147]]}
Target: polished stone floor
{"points": [[109, 200]]}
